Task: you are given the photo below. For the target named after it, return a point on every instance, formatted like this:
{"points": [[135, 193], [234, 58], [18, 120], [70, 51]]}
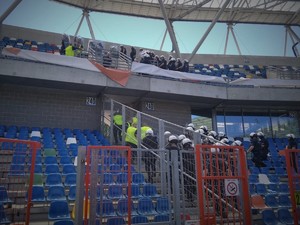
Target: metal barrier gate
{"points": [[222, 185], [119, 187], [18, 159], [293, 172]]}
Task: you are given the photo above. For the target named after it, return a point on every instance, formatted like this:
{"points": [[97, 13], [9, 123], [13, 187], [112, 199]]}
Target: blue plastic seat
{"points": [[70, 179], [271, 201], [125, 168], [3, 217], [121, 161], [38, 194], [63, 222], [280, 171], [107, 160], [115, 221], [72, 193], [108, 178], [53, 179], [58, 210], [163, 205], [65, 160], [284, 188], [273, 188], [261, 189], [145, 206], [50, 160], [265, 170], [285, 217], [269, 217], [18, 159], [115, 168], [253, 178], [284, 201], [139, 219], [149, 190], [135, 191], [51, 169], [115, 191], [56, 193], [122, 208], [16, 170], [138, 178], [254, 170], [4, 199], [107, 208], [161, 218], [69, 168], [122, 178], [273, 179]]}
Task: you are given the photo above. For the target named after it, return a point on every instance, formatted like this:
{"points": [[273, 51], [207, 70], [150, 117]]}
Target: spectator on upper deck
{"points": [[132, 53], [123, 50], [171, 64], [185, 67], [178, 65], [106, 59], [163, 62]]}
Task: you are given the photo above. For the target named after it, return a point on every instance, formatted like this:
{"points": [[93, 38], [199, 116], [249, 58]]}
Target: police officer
{"points": [[150, 142], [117, 129], [264, 144], [131, 139], [292, 144], [189, 168], [255, 148]]}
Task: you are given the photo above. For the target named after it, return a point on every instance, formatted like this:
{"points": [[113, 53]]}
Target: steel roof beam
{"points": [[9, 10], [209, 29], [170, 29]]}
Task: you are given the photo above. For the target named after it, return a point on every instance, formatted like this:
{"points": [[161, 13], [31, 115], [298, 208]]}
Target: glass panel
{"points": [[221, 123], [284, 123], [255, 122], [234, 125]]}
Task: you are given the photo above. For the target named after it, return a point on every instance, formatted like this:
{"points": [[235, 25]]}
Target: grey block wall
{"points": [[47, 107], [174, 112]]}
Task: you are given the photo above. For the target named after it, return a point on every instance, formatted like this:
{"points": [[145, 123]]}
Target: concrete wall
{"points": [[45, 107], [171, 111]]}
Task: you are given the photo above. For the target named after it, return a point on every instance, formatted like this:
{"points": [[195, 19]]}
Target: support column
{"points": [[170, 29], [86, 15], [226, 41], [209, 29], [9, 10], [234, 38]]}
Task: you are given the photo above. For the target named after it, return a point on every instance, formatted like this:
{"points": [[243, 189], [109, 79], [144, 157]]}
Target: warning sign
{"points": [[232, 187]]}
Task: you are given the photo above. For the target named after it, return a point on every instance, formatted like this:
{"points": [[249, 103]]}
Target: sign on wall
{"points": [[91, 101], [149, 106]]}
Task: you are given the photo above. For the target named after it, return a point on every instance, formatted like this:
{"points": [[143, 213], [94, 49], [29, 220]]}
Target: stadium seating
{"points": [[56, 193], [59, 210], [38, 194], [284, 216], [63, 222], [145, 206], [269, 217], [122, 208], [162, 205], [3, 217], [139, 219], [107, 209], [4, 199]]}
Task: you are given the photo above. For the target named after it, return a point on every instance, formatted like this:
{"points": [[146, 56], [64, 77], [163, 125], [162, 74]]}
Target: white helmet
{"points": [[221, 134], [237, 143], [260, 134], [201, 131], [213, 134], [252, 134], [172, 138], [167, 133], [290, 135], [191, 125], [181, 137], [186, 60], [149, 132], [186, 141], [189, 128], [225, 140], [204, 128]]}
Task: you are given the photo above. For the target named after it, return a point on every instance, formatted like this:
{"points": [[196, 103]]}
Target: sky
{"points": [[266, 40]]}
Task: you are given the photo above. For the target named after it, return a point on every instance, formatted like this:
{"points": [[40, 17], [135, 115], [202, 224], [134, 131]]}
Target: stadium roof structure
{"points": [[275, 12], [283, 12], [231, 12]]}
